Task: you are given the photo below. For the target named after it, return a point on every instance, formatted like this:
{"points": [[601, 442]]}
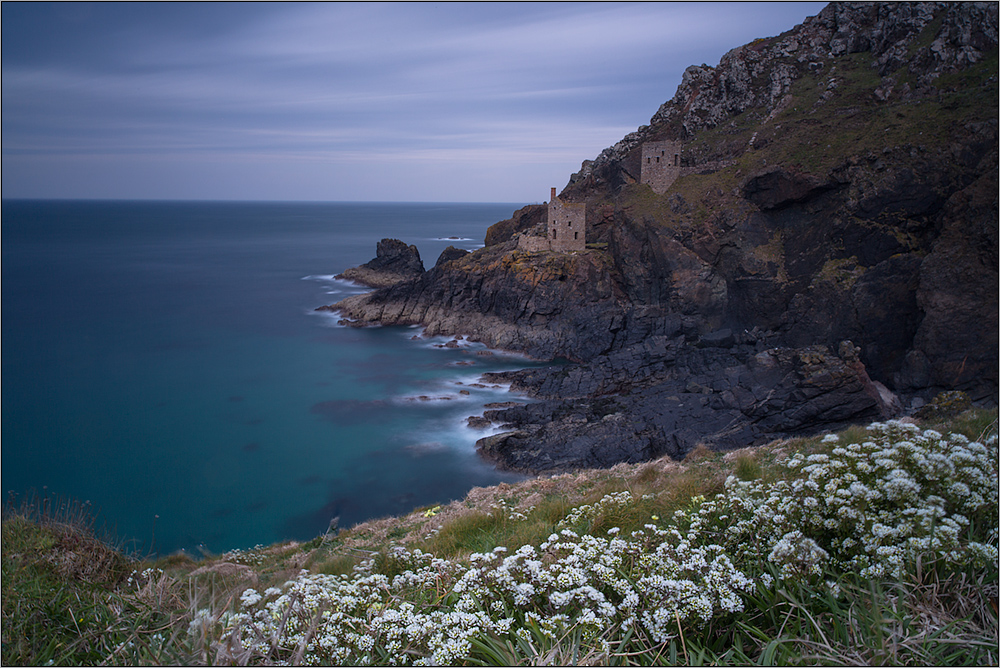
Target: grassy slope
{"points": [[829, 118], [70, 599]]}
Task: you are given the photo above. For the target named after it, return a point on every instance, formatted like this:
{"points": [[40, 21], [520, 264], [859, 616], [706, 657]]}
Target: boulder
{"points": [[394, 262]]}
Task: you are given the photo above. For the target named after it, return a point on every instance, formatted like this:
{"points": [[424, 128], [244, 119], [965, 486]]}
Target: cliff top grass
{"points": [[720, 558], [828, 118]]}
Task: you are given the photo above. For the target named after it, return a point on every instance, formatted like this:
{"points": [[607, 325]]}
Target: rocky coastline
{"points": [[828, 254]]}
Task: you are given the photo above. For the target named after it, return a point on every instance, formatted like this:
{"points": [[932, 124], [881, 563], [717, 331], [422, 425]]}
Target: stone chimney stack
{"points": [[553, 195]]}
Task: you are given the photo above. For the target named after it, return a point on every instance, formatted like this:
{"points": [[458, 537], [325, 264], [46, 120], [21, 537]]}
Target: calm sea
{"points": [[163, 361]]}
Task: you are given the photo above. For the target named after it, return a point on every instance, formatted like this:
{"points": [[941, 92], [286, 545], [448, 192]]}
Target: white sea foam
{"points": [[338, 285], [451, 429], [328, 318], [455, 434], [475, 380], [431, 399], [440, 342], [426, 447], [462, 390]]}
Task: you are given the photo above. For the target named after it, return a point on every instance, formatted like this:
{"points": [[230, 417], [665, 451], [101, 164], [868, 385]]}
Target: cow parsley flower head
{"points": [[249, 598]]}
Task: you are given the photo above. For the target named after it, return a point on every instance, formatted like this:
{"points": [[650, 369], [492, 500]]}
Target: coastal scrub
{"points": [[901, 500]]}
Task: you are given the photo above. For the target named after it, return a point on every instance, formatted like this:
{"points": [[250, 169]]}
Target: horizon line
{"points": [[250, 201]]}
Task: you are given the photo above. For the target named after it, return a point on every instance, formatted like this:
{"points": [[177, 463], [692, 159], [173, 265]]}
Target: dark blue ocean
{"points": [[163, 361]]}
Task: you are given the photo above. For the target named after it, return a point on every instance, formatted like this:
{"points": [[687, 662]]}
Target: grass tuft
{"points": [[747, 467]]}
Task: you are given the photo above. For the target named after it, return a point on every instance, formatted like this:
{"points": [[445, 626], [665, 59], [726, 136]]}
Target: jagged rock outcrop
{"points": [[837, 182], [553, 304], [901, 40], [394, 262], [852, 141]]}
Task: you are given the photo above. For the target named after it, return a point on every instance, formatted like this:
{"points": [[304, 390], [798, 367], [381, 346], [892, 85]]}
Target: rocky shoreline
{"points": [[662, 396], [828, 253]]}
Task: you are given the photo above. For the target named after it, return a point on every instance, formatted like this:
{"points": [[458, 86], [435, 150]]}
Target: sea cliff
{"points": [[826, 254]]}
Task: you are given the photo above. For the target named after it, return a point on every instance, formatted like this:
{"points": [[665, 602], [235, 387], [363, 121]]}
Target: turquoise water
{"points": [[163, 360]]}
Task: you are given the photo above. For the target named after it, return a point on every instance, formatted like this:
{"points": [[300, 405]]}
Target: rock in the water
{"points": [[394, 262], [477, 422]]}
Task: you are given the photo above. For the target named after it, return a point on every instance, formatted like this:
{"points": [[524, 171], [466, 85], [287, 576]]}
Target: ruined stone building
{"points": [[566, 228], [661, 164], [567, 224]]}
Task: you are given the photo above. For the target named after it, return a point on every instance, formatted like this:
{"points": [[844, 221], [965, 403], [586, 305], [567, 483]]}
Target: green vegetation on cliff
{"points": [[874, 545], [829, 119]]}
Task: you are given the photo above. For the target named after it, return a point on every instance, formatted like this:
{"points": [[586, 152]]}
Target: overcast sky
{"points": [[358, 102]]}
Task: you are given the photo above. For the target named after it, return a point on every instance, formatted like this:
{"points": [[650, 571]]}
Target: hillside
{"points": [[827, 254], [877, 545]]}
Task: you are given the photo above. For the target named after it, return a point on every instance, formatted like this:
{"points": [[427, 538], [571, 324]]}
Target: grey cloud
{"points": [[508, 86]]}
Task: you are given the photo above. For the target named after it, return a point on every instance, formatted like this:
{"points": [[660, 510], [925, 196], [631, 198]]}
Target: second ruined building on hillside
{"points": [[566, 224], [661, 164]]}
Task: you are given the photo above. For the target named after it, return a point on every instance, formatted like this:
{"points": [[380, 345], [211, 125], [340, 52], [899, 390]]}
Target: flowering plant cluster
{"points": [[139, 579], [358, 619], [869, 507], [252, 557], [653, 580]]}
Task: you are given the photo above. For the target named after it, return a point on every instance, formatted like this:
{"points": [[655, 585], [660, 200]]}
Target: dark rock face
{"points": [[956, 342], [664, 397], [394, 262], [777, 187], [838, 183]]}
